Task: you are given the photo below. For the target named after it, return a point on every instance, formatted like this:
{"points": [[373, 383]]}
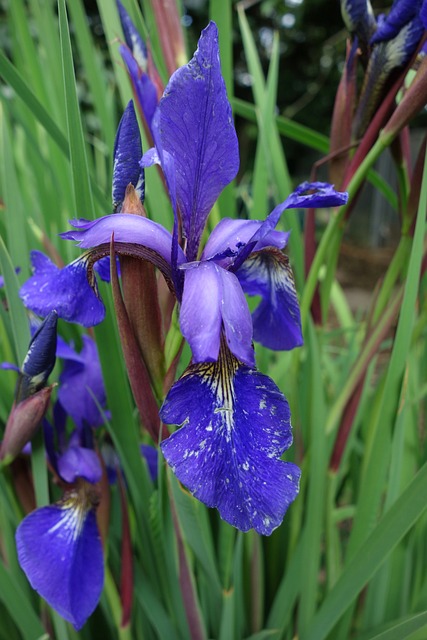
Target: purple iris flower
{"points": [[59, 546], [235, 421], [59, 549]]}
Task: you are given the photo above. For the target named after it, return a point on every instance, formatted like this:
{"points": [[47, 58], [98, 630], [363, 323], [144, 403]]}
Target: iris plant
{"points": [[234, 421]]}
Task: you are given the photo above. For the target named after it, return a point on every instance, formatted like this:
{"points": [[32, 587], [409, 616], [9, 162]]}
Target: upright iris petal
{"points": [[195, 127], [81, 390], [235, 427], [60, 551], [213, 302]]}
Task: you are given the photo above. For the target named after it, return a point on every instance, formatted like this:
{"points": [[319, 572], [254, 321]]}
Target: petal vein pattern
{"points": [[235, 426]]}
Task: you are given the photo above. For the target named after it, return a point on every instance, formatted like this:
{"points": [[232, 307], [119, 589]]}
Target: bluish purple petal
{"points": [[127, 154], [126, 228], [81, 390], [60, 551], [79, 462], [230, 235], [213, 302], [324, 196], [67, 291], [401, 13], [103, 268], [133, 40], [196, 128], [359, 19], [144, 87], [236, 425], [276, 320], [151, 456], [41, 355]]}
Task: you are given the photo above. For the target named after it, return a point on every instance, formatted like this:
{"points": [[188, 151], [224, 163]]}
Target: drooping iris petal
{"points": [[196, 128], [236, 425], [127, 154], [60, 551], [81, 390], [67, 291], [213, 301], [126, 228], [277, 319]]}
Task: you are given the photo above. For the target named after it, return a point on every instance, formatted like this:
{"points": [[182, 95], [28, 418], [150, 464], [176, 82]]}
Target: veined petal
{"points": [[276, 320], [212, 302], [128, 229], [127, 154], [230, 235], [196, 128], [235, 426], [60, 551], [67, 291]]}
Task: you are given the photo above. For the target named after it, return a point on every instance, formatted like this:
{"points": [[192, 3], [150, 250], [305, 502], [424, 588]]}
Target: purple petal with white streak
{"points": [[60, 551], [277, 319], [236, 425], [67, 291], [196, 128], [213, 301], [401, 12]]}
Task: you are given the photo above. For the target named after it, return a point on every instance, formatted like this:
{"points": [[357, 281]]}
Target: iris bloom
{"points": [[235, 423], [59, 546]]}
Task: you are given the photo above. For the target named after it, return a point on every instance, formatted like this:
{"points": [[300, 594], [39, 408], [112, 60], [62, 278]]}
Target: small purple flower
{"points": [[60, 551]]}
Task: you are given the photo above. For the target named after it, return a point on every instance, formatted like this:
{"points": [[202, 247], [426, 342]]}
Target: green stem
{"points": [[39, 469], [334, 227], [395, 268], [124, 633]]}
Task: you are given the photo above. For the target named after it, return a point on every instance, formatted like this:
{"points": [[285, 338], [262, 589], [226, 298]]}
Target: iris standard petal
{"points": [[277, 319], [236, 425], [67, 291], [213, 302], [127, 154], [196, 128], [60, 551]]}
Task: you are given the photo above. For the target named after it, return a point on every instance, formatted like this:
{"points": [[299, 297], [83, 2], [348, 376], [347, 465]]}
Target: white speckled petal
{"points": [[235, 426]]}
